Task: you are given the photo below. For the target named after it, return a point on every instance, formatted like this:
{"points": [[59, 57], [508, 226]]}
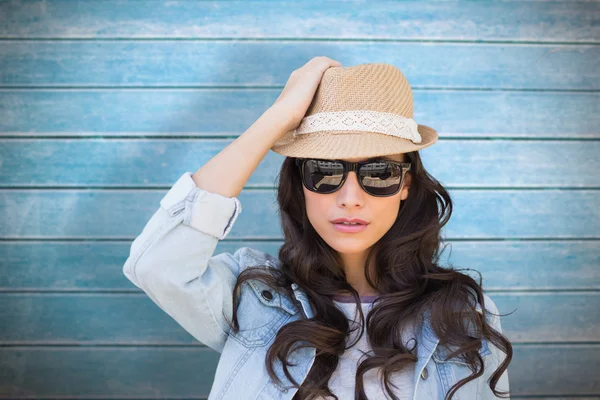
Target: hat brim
{"points": [[350, 144]]}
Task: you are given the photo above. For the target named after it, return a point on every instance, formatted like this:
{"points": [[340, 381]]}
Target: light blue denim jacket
{"points": [[172, 261]]}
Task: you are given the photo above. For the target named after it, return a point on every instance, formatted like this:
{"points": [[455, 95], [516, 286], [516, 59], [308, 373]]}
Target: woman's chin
{"points": [[349, 246]]}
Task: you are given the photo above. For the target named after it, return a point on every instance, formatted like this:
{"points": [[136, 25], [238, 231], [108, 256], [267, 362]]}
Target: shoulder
{"points": [[250, 257], [492, 312], [258, 256], [489, 304], [242, 258], [491, 309]]}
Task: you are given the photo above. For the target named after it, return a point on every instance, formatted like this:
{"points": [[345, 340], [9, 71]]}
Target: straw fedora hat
{"points": [[360, 111]]}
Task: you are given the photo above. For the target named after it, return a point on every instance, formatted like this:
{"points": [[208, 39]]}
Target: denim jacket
{"points": [[172, 261]]}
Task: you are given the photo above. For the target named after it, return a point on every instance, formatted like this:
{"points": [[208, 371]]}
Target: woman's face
{"points": [[353, 202]]}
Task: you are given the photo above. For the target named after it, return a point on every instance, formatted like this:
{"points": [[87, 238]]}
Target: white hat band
{"points": [[361, 120]]}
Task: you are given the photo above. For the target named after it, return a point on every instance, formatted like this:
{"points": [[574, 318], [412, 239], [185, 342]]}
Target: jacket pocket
{"points": [[261, 312]]}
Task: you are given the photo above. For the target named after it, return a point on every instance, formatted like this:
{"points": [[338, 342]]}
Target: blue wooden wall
{"points": [[104, 104]]}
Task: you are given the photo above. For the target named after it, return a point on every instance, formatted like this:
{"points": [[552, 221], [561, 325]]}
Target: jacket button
{"points": [[267, 295], [424, 373]]}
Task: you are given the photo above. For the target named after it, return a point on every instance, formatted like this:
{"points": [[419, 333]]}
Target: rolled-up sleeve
{"points": [[205, 211], [172, 260]]}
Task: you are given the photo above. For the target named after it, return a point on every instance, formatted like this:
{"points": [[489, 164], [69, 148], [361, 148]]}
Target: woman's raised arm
{"points": [[172, 259]]}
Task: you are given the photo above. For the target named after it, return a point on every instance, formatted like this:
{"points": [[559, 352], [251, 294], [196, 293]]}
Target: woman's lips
{"points": [[349, 228]]}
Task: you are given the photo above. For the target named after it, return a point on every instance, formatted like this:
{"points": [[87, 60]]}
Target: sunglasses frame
{"points": [[353, 166]]}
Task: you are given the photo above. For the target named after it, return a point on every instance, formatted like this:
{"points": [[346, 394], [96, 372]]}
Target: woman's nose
{"points": [[351, 184]]}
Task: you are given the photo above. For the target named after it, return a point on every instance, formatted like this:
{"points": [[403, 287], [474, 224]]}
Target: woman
{"points": [[346, 311]]}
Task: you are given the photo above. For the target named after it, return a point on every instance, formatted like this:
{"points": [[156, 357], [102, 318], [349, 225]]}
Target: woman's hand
{"points": [[298, 93]]}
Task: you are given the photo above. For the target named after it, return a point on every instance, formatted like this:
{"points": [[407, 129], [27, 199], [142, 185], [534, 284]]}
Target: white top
{"points": [[343, 380]]}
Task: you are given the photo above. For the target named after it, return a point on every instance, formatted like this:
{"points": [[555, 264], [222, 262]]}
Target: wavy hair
{"points": [[407, 275]]}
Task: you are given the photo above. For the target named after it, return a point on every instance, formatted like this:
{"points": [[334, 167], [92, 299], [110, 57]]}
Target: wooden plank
{"points": [[570, 21], [191, 63], [135, 373], [92, 318], [97, 372], [121, 214], [133, 162], [528, 265], [219, 112], [99, 319], [504, 265], [560, 370], [549, 316]]}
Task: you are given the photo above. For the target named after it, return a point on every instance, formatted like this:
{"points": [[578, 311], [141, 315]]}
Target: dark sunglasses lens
{"points": [[323, 176], [378, 178], [381, 178]]}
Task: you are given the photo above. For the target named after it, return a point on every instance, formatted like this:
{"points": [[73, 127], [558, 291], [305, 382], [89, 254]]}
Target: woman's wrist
{"points": [[281, 117]]}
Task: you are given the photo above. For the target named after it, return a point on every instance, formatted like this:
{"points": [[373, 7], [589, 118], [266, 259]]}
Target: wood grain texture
{"points": [[559, 370], [565, 21], [105, 103], [146, 163], [227, 112], [268, 63]]}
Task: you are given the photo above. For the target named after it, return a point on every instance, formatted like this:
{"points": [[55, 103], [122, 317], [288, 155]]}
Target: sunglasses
{"points": [[379, 177]]}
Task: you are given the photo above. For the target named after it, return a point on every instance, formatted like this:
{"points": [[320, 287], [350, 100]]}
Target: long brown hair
{"points": [[407, 275]]}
